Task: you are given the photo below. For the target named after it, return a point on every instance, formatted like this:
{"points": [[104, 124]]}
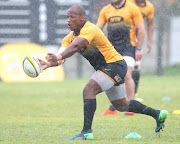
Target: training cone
{"points": [[176, 112], [166, 99], [133, 135], [129, 113]]}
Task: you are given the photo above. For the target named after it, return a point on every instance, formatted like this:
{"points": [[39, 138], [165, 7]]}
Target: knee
{"points": [[91, 90], [121, 106], [137, 66], [86, 91], [128, 77]]}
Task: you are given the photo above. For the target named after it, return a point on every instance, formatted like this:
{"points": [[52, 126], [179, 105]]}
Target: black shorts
{"points": [[126, 50], [115, 71]]}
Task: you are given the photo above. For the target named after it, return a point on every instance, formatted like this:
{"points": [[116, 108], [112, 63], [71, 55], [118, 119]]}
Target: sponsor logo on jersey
{"points": [[116, 19]]}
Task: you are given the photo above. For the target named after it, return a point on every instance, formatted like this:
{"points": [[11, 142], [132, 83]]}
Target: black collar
{"points": [[120, 6], [138, 3], [76, 33]]}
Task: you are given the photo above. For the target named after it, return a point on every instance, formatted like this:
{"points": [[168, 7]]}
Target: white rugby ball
{"points": [[31, 66]]}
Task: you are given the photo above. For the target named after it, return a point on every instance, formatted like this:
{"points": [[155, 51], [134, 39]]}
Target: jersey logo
{"points": [[116, 19], [117, 78], [106, 69], [82, 50]]}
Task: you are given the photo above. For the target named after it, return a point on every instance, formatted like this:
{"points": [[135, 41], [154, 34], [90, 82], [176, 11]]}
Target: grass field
{"points": [[46, 113]]}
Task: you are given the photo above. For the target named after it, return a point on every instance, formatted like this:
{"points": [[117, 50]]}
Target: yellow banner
{"points": [[12, 56]]}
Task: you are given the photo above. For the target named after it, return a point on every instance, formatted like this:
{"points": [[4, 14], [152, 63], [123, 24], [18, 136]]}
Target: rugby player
{"points": [[147, 11], [123, 19], [88, 40]]}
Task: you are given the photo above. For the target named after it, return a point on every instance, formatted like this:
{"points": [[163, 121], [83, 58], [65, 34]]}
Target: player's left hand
{"points": [[43, 64], [138, 55]]}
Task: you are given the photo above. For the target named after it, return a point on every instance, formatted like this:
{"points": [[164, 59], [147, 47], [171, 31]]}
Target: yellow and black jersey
{"points": [[99, 51], [147, 10], [121, 24]]}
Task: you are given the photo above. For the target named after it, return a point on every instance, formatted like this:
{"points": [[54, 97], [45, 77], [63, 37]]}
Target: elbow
{"points": [[141, 33], [76, 48]]}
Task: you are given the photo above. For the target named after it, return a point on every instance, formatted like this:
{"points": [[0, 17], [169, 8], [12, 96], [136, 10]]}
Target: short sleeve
{"points": [[151, 12], [102, 18], [137, 16], [88, 33], [66, 41]]}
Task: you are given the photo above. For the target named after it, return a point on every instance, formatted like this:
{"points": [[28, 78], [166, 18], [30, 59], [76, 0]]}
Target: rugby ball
{"points": [[31, 66]]}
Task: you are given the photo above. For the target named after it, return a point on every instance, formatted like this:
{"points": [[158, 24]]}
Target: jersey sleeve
{"points": [[88, 33], [66, 41], [102, 18], [61, 49], [136, 13], [151, 12]]}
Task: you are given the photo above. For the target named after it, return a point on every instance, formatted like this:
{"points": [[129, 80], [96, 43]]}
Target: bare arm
{"points": [[150, 28], [101, 26], [75, 46], [140, 33], [140, 40], [55, 60]]}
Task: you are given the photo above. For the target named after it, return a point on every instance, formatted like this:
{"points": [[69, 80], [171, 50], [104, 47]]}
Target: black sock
{"points": [[136, 77], [138, 107], [89, 109], [111, 107]]}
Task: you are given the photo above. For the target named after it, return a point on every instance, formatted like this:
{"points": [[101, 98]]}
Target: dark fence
{"points": [[40, 21]]}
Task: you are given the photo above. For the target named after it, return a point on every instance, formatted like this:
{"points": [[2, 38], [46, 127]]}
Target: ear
{"points": [[82, 18]]}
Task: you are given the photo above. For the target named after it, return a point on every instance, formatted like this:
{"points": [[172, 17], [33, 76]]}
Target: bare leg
{"points": [[121, 104], [130, 86], [134, 106], [89, 94], [136, 75]]}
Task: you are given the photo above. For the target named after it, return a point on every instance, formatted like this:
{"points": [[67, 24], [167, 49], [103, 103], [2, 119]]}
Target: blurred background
{"points": [[44, 23]]}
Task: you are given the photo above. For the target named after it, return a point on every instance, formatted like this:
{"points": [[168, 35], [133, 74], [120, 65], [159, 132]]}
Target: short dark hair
{"points": [[79, 9]]}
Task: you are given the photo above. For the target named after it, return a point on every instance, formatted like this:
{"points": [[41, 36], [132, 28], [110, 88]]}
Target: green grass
{"points": [[46, 113], [172, 70]]}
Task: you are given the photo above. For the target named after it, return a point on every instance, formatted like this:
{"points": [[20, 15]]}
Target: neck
{"points": [[117, 5], [77, 31]]}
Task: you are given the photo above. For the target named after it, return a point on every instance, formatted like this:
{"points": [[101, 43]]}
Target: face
{"points": [[74, 20], [116, 1]]}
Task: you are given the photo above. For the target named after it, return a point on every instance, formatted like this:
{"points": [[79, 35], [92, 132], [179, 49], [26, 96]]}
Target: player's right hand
{"points": [[51, 57], [138, 55], [148, 48], [52, 60]]}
